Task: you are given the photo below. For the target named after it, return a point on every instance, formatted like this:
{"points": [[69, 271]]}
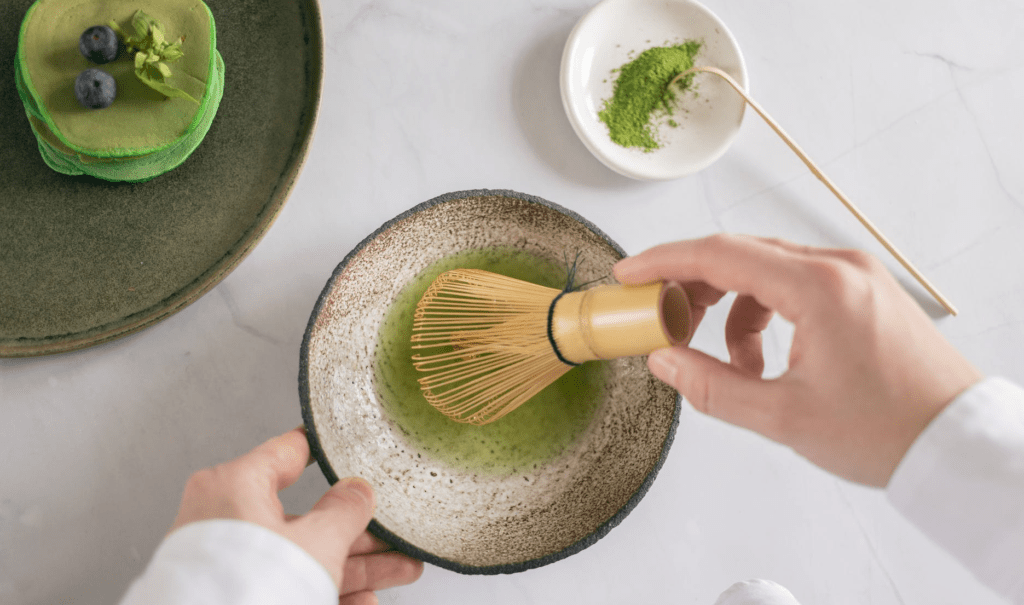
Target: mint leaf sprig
{"points": [[152, 54]]}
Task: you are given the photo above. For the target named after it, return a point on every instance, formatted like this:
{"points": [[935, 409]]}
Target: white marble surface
{"points": [[912, 106]]}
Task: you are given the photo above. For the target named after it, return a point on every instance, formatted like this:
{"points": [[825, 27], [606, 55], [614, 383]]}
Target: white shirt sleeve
{"points": [[962, 484], [228, 562]]}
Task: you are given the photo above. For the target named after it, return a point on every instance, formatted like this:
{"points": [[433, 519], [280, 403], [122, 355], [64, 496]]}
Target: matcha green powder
{"points": [[641, 97]]}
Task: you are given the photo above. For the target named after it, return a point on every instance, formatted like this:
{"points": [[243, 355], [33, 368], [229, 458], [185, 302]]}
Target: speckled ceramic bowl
{"points": [[449, 515]]}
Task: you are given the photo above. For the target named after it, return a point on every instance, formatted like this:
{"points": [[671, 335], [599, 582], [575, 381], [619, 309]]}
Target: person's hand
{"points": [[333, 532], [867, 369]]}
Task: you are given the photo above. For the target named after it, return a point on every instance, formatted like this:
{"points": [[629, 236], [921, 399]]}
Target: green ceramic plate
{"points": [[84, 261]]}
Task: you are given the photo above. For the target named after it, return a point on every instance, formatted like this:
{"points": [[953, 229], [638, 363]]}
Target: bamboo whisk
{"points": [[486, 343]]}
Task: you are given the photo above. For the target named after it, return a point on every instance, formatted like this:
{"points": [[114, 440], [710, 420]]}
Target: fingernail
{"points": [[360, 486], [622, 267], [662, 365]]}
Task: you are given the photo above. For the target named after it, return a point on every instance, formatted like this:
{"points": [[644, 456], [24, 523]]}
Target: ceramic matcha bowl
{"points": [[536, 486]]}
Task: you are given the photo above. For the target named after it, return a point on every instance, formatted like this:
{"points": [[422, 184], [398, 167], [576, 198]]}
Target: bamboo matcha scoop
{"points": [[870, 226]]}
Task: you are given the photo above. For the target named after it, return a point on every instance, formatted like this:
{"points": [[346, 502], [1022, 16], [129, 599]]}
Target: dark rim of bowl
{"points": [[384, 533]]}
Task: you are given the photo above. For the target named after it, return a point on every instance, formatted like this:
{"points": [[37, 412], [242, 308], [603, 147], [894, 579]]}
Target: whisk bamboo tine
{"points": [[875, 231]]}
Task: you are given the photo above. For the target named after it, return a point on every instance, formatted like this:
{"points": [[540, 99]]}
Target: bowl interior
{"points": [[612, 34], [466, 514]]}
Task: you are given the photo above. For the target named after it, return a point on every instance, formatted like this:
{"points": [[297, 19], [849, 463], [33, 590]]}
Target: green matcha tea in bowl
{"points": [[537, 485]]}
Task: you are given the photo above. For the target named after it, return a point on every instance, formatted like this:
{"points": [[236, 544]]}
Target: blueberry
{"points": [[99, 44], [95, 88]]}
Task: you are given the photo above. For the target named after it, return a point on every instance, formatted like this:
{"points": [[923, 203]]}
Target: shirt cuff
{"points": [[224, 562], [962, 483]]}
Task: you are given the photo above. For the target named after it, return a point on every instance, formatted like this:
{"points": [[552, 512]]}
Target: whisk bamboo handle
{"points": [[611, 321], [828, 183]]}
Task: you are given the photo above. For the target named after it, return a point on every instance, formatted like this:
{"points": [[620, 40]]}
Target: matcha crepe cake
{"points": [[144, 132]]}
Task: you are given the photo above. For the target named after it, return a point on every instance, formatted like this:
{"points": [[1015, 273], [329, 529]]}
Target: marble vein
{"points": [[236, 317], [982, 238], [869, 542], [988, 152], [952, 65]]}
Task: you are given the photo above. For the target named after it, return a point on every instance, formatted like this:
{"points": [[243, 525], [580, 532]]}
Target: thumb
{"points": [[346, 509], [717, 389], [328, 531]]}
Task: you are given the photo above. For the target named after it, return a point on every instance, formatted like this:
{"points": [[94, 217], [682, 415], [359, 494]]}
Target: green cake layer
{"points": [[143, 134]]}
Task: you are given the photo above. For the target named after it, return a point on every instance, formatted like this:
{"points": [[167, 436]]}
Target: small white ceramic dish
{"points": [[611, 35]]}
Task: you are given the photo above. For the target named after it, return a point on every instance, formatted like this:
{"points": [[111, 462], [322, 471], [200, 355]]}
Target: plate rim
{"points": [[18, 347]]}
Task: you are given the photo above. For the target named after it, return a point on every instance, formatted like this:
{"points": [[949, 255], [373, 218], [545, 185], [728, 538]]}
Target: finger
{"points": [[696, 316], [280, 460], [793, 247], [359, 598], [847, 254], [702, 295], [379, 571], [747, 319], [718, 389], [310, 460], [743, 264], [366, 543], [344, 511]]}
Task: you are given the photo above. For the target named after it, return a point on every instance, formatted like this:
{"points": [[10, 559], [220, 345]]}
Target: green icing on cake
{"points": [[143, 134]]}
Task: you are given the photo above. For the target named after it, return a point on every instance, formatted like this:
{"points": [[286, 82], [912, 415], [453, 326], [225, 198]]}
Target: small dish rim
{"points": [[574, 111]]}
